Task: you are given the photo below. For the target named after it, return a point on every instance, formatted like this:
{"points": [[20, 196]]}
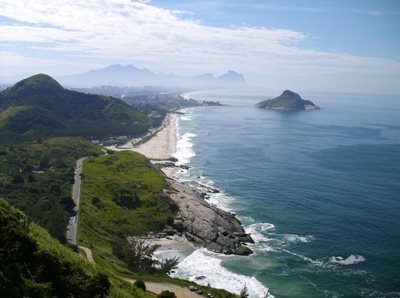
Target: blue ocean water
{"points": [[318, 190]]}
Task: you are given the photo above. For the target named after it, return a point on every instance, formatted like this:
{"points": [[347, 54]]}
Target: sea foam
{"points": [[206, 265], [350, 260], [184, 150], [293, 238]]}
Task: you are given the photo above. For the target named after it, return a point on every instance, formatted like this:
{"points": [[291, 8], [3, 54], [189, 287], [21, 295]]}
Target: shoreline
{"points": [[203, 224], [158, 146], [199, 226]]}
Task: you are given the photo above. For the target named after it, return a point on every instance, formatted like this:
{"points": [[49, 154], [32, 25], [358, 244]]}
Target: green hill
{"points": [[35, 265], [40, 107]]}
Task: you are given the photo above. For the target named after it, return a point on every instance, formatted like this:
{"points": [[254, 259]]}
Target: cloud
{"points": [[126, 30]]}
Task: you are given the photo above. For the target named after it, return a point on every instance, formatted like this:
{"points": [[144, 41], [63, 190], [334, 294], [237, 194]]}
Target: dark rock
{"points": [[243, 251], [206, 225]]}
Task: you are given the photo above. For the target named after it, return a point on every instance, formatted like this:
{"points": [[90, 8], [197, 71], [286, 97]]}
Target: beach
{"points": [[203, 232], [158, 146], [162, 145]]}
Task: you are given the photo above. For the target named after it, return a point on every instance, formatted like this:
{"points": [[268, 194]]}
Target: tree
{"points": [[138, 255], [18, 179], [244, 293]]}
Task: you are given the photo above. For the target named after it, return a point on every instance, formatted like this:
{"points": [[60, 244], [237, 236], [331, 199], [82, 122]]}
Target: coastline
{"points": [[158, 146], [201, 230]]}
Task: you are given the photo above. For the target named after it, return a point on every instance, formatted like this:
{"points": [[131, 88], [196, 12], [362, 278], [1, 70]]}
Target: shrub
{"points": [[17, 179], [140, 284], [166, 294], [244, 293], [138, 255]]}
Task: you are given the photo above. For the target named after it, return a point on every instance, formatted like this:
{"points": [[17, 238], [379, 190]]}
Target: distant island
{"points": [[287, 101]]}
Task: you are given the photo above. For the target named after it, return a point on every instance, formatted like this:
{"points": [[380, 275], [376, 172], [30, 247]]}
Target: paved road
{"points": [[76, 190]]}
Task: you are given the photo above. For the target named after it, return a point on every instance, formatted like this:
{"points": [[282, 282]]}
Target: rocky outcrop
{"points": [[206, 225]]}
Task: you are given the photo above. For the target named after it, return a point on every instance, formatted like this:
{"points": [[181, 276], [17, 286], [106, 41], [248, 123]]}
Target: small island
{"points": [[287, 101]]}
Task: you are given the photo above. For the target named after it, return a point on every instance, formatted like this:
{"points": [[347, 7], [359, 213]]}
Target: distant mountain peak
{"points": [[130, 75], [232, 75], [40, 83]]}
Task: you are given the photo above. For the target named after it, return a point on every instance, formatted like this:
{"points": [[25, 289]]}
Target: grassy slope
{"points": [[66, 258], [10, 112], [103, 177], [99, 227]]}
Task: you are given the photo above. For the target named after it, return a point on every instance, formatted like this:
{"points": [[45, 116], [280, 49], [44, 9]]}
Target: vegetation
{"points": [[39, 107], [138, 255], [106, 219], [37, 178], [166, 294], [104, 224], [244, 293], [35, 265], [121, 195], [140, 285]]}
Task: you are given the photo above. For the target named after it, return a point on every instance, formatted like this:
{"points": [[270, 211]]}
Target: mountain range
{"points": [[129, 75], [40, 107]]}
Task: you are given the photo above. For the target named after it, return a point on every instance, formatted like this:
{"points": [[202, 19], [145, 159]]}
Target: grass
{"points": [[102, 221], [9, 112]]}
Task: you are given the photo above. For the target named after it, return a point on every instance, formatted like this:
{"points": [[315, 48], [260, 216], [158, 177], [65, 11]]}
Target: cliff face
{"points": [[206, 225], [287, 101]]}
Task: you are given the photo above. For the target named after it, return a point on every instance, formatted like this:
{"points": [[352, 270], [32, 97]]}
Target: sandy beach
{"points": [[163, 144], [160, 146]]}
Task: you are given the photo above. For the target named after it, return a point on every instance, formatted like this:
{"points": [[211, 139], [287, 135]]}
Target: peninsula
{"points": [[287, 101]]}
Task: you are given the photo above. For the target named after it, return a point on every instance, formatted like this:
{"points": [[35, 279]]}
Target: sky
{"points": [[332, 46]]}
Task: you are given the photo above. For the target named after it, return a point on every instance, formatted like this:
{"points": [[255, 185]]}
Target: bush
{"points": [[17, 179], [244, 293], [166, 294], [140, 285], [138, 255], [127, 198]]}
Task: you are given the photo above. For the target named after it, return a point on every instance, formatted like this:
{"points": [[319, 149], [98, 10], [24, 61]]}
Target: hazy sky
{"points": [[346, 46]]}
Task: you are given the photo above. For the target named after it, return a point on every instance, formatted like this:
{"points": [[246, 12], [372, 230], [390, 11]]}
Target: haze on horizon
{"points": [[340, 46]]}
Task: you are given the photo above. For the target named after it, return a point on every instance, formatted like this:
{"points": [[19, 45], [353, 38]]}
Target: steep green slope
{"points": [[37, 178], [120, 197], [35, 265], [40, 107]]}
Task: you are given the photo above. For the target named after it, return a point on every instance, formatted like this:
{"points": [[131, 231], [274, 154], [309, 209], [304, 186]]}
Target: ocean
{"points": [[319, 191]]}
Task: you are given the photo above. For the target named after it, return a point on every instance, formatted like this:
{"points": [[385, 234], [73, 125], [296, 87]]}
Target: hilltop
{"points": [[287, 101], [40, 107]]}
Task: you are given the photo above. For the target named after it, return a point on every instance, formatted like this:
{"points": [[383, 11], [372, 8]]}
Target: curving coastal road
{"points": [[76, 190]]}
